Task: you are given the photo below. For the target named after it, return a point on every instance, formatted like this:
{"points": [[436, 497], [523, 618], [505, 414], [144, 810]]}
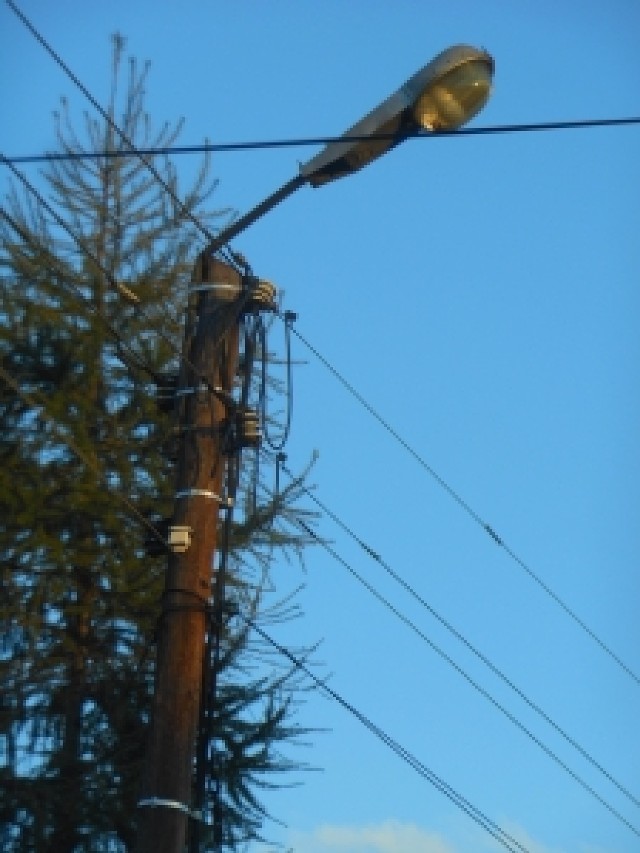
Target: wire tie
{"points": [[203, 493], [160, 803]]}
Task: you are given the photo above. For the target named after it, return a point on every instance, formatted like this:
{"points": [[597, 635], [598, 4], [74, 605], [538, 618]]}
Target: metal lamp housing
{"points": [[443, 95], [452, 89]]}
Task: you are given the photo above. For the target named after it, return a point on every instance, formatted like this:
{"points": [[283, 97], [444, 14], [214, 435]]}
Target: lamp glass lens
{"points": [[455, 97]]}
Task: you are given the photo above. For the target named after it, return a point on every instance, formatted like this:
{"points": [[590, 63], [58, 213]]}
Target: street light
{"points": [[442, 96]]}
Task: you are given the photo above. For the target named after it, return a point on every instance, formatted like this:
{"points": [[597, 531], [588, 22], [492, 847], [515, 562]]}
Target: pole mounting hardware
{"points": [[203, 493], [160, 803]]}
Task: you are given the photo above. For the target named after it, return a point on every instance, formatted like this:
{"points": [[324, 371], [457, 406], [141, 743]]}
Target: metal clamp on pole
{"points": [[198, 389], [225, 291], [203, 493], [160, 803]]}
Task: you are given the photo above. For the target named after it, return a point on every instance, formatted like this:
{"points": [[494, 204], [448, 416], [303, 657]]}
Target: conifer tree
{"points": [[80, 597]]}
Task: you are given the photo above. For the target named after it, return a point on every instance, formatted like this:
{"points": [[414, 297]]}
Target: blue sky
{"points": [[482, 294]]}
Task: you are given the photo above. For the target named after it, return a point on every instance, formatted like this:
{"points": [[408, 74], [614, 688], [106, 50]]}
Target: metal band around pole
{"points": [[160, 803], [203, 493], [182, 392], [215, 285]]}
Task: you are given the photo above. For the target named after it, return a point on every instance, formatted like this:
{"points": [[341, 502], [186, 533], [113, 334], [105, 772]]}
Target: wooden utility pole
{"points": [[211, 349]]}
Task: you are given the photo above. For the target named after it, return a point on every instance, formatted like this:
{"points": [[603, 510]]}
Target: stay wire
{"points": [[474, 813], [105, 115], [467, 508], [462, 639], [304, 142], [448, 659]]}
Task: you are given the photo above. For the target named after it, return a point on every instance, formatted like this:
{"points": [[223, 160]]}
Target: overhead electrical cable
{"points": [[168, 189], [486, 823], [123, 291], [461, 638], [105, 115], [468, 678], [488, 529], [304, 142]]}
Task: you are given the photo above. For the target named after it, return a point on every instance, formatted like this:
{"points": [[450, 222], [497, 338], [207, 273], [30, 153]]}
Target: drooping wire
{"points": [[265, 145], [507, 841], [276, 444], [488, 529], [460, 637]]}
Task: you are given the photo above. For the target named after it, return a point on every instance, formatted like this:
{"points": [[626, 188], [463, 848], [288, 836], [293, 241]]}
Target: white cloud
{"points": [[393, 836], [522, 837], [387, 837]]}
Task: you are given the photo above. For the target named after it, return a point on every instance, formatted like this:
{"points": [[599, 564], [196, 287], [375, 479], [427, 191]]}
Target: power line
{"points": [[483, 692], [459, 636], [473, 131], [479, 130], [105, 115], [490, 826], [486, 823], [87, 251], [120, 289], [488, 529], [305, 142]]}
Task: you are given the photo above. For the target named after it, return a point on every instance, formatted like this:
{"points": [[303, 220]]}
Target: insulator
{"points": [[165, 393], [248, 426], [247, 432], [262, 296]]}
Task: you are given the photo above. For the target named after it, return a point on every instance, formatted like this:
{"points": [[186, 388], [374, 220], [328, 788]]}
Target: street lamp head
{"points": [[443, 95], [451, 89]]}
